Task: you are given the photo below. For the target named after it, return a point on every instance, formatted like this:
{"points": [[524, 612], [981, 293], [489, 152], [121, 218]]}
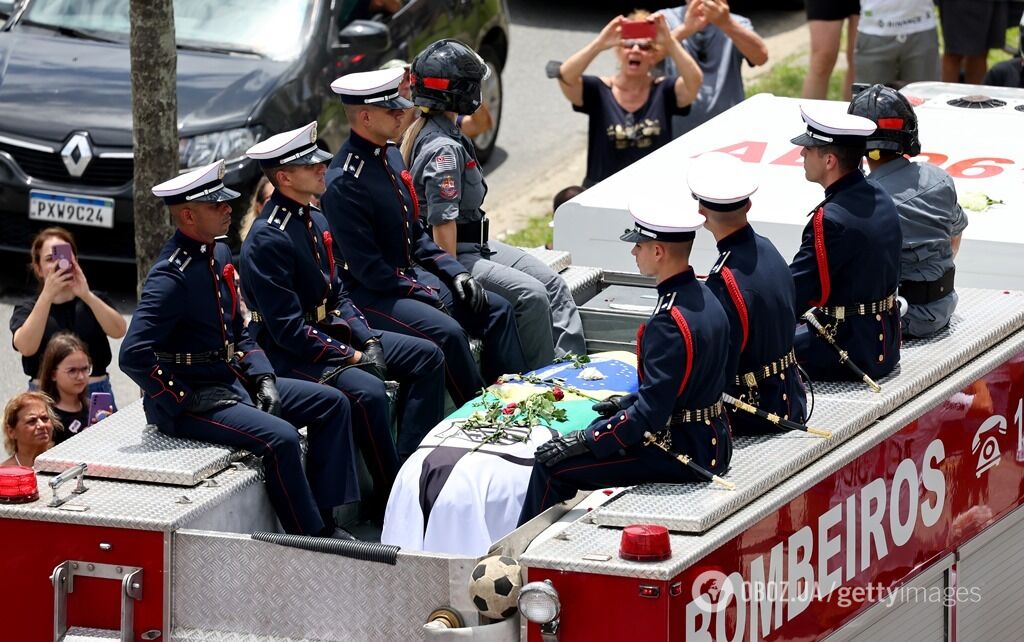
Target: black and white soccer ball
{"points": [[494, 586]]}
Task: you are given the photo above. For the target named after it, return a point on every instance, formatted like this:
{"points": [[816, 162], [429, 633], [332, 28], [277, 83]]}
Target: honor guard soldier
{"points": [[204, 378], [848, 265], [755, 287], [397, 275], [303, 319], [681, 352], [925, 197]]}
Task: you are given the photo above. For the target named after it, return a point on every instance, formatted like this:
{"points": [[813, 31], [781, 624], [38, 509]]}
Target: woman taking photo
{"points": [[630, 112], [64, 377], [450, 186], [28, 428], [64, 302]]}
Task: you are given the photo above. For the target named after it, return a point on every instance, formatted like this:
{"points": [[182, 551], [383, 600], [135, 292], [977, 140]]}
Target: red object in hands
{"points": [[637, 29], [18, 485], [557, 393], [645, 543]]}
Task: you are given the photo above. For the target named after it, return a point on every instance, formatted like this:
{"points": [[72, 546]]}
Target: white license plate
{"points": [[75, 209]]}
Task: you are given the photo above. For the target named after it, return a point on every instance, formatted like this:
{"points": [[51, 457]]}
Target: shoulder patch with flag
{"points": [[445, 162]]}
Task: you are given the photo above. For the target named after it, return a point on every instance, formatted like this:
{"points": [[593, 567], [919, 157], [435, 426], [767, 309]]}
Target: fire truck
{"points": [[904, 524]]}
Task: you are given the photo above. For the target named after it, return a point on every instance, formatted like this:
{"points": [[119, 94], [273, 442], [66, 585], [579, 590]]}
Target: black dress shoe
{"points": [[342, 534]]}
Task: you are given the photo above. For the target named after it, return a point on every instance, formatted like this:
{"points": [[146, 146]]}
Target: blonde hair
{"points": [[16, 405], [411, 134], [255, 207]]}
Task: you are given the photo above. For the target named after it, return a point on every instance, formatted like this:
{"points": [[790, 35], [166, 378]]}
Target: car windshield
{"points": [[270, 28]]}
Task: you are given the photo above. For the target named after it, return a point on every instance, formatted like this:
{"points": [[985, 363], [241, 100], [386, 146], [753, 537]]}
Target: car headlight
{"points": [[204, 149], [538, 602]]}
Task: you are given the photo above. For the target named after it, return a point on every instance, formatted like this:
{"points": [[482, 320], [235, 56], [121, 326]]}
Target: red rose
{"points": [[557, 393], [508, 410]]}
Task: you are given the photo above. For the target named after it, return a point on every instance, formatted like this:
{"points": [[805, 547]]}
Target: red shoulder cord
{"points": [[329, 248], [819, 250], [229, 278], [639, 362], [407, 179], [737, 300], [677, 316]]}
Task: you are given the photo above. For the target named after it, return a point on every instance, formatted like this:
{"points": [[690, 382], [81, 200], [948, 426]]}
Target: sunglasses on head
{"points": [[643, 44]]}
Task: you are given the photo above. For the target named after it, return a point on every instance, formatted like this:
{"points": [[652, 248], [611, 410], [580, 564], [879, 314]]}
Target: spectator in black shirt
{"points": [[630, 112], [64, 376], [64, 302], [1009, 72]]}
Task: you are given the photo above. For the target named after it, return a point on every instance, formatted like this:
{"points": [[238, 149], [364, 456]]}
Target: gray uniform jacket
{"points": [[449, 182], [930, 217]]}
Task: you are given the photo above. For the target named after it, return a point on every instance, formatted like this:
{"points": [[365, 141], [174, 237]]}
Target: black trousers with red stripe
{"points": [[330, 476], [637, 464]]}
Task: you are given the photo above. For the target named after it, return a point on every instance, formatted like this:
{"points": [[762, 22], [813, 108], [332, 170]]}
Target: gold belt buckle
{"points": [[840, 313], [750, 379], [321, 312]]}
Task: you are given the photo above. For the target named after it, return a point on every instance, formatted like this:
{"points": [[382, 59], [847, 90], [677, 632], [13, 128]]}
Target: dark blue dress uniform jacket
{"points": [[400, 277], [187, 306], [681, 357], [850, 254], [288, 271], [382, 238], [755, 287]]}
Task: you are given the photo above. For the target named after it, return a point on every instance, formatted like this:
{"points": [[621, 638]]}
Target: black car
{"points": [[247, 69]]}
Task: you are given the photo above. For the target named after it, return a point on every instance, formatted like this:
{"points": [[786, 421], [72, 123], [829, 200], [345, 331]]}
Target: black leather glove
{"points": [[470, 292], [267, 398], [373, 360], [560, 448], [211, 398], [609, 406]]}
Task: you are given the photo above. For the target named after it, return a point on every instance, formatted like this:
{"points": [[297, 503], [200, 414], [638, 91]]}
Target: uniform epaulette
{"points": [[720, 263], [665, 303], [180, 259], [279, 217], [353, 164]]}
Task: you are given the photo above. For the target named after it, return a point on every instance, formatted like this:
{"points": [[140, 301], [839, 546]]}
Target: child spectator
{"points": [[64, 376]]}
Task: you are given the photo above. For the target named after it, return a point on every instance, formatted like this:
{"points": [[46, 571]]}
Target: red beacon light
{"points": [[18, 485], [645, 543]]}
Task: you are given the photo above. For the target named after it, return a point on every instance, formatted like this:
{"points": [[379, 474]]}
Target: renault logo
{"points": [[77, 154]]}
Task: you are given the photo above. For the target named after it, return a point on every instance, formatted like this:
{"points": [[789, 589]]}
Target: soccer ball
{"points": [[494, 586]]}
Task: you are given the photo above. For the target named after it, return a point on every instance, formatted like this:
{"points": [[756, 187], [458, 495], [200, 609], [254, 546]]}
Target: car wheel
{"points": [[492, 97]]}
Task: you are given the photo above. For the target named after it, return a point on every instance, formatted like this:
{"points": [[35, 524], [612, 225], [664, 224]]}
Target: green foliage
{"points": [[536, 233]]}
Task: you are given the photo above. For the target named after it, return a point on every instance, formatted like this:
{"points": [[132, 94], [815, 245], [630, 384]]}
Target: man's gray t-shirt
{"points": [[722, 65]]}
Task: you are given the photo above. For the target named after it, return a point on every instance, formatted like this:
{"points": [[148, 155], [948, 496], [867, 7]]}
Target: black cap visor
{"points": [[221, 195], [397, 102], [806, 140]]}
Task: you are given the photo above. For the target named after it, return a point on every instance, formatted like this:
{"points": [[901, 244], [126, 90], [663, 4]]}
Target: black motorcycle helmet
{"points": [[446, 76], [894, 116]]}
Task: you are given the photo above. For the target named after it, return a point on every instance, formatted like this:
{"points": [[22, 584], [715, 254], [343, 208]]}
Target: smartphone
{"points": [[101, 406], [63, 255], [638, 29]]}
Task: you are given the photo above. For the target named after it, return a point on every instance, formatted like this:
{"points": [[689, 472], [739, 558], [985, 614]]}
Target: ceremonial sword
{"points": [[844, 357], [773, 418], [651, 440]]}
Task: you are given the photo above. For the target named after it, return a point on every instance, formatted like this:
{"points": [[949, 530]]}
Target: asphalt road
{"points": [[541, 144]]}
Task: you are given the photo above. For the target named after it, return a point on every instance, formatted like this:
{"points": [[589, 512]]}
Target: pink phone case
{"points": [[65, 257]]}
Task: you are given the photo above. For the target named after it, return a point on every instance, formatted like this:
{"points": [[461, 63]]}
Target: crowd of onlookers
{"points": [[662, 91]]}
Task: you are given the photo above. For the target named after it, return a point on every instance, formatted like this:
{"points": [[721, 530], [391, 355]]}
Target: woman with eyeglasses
{"points": [[64, 302], [64, 376], [28, 428], [630, 112]]}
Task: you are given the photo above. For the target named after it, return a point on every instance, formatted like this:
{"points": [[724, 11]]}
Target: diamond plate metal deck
{"points": [[566, 551], [582, 281], [120, 504], [557, 260], [123, 447], [231, 583], [759, 463]]}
